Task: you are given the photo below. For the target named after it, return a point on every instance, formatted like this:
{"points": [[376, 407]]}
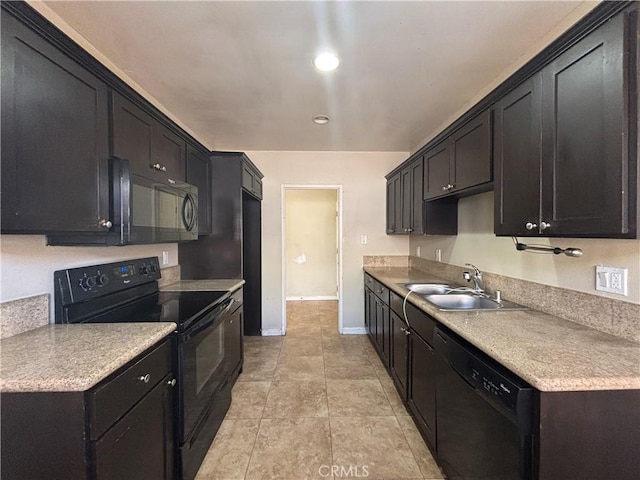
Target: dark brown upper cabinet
{"points": [[564, 155], [404, 200], [55, 138], [152, 149], [394, 205], [461, 164], [252, 180]]}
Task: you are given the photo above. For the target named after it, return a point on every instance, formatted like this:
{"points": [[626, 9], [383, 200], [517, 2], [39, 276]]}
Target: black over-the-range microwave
{"points": [[142, 211]]}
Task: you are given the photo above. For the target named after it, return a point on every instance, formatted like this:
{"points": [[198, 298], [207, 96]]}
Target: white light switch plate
{"points": [[363, 239], [611, 279]]}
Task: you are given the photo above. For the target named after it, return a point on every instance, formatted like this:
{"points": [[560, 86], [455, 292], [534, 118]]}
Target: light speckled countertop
{"points": [[204, 285], [550, 353], [66, 358]]}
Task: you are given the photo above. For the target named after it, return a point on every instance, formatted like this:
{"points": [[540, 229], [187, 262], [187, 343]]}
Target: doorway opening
{"points": [[312, 249]]}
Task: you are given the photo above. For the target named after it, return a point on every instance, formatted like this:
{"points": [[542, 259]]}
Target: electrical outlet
{"points": [[438, 254], [363, 239], [611, 279], [165, 258], [418, 251]]}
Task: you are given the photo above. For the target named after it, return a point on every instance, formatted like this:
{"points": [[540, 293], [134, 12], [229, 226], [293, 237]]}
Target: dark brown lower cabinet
{"points": [[95, 434], [590, 435], [422, 386], [383, 331], [378, 320], [399, 360]]}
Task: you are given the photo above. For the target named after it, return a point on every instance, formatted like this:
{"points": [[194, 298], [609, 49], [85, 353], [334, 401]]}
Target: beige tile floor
{"points": [[315, 404]]}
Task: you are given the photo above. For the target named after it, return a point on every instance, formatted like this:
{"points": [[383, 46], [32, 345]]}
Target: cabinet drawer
{"points": [[421, 323], [395, 302], [369, 281], [113, 398], [381, 291]]}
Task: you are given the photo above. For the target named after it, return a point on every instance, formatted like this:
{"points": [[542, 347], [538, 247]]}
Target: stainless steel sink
{"points": [[467, 301], [428, 288]]}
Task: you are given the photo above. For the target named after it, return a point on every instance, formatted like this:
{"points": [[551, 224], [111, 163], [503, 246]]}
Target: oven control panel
{"points": [[84, 283]]}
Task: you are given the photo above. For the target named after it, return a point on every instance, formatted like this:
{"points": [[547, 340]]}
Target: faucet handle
{"points": [[477, 270]]}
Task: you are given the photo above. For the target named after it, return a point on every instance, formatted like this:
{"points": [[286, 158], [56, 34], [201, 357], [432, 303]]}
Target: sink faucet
{"points": [[478, 285]]}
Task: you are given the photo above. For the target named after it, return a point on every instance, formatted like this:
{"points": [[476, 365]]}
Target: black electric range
{"points": [[207, 348]]}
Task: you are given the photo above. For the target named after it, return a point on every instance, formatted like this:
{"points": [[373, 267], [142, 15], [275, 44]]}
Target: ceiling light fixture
{"points": [[326, 62], [321, 119]]}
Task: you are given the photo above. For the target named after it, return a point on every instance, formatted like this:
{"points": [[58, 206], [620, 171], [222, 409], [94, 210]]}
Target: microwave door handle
{"points": [[188, 212]]}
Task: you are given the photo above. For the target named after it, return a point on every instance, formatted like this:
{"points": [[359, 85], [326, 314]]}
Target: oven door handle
{"points": [[227, 307], [210, 321]]}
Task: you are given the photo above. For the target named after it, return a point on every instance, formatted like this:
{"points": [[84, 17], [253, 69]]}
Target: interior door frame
{"points": [[283, 234]]}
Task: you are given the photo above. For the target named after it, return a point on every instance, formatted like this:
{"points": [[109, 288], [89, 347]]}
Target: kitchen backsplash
{"points": [[615, 317], [18, 316]]}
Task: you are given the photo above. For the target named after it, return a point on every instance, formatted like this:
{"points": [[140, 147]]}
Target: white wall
{"points": [[361, 175], [311, 243], [27, 263], [476, 243]]}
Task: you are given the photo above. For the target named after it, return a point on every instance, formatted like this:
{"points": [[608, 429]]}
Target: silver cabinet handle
{"points": [[106, 223], [159, 167], [544, 225], [531, 226], [405, 331], [445, 188], [172, 382], [145, 378]]}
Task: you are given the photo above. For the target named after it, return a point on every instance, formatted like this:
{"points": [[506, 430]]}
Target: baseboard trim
{"points": [[272, 332], [319, 297], [354, 331]]}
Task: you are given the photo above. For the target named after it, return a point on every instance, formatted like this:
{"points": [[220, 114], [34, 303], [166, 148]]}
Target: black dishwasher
{"points": [[484, 416]]}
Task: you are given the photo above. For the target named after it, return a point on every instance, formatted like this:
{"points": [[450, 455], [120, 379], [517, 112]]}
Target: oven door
{"points": [[204, 366], [148, 211]]}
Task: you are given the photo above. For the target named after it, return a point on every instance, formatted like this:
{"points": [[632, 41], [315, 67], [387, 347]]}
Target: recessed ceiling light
{"points": [[326, 62], [321, 119]]}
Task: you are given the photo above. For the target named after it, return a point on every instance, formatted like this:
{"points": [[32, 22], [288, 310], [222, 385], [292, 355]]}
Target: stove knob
{"points": [[102, 280], [88, 282], [153, 268], [144, 270]]}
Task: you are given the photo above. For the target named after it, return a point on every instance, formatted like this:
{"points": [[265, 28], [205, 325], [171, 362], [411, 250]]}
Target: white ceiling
{"points": [[240, 74]]}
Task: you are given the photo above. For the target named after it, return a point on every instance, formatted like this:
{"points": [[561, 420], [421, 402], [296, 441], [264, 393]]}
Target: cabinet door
{"points": [[399, 353], [251, 181], [384, 331], [517, 157], [141, 444], [436, 170], [257, 187], [471, 146], [133, 131], [417, 222], [422, 386], [168, 149], [406, 200], [198, 174], [247, 178], [233, 340], [585, 187], [372, 327], [54, 138], [394, 205]]}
